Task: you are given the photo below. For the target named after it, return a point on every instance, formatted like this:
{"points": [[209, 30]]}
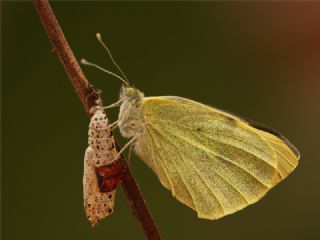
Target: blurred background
{"points": [[259, 60]]}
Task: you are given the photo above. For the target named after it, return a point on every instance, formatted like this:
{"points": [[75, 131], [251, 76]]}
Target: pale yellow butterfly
{"points": [[214, 162]]}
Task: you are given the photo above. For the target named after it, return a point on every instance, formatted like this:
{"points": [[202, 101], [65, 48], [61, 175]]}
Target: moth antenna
{"points": [[98, 36], [85, 62]]}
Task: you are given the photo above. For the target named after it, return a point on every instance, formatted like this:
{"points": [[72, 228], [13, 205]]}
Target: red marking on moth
{"points": [[109, 176]]}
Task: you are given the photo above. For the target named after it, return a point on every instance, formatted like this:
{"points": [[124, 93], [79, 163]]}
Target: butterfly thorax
{"points": [[131, 122]]}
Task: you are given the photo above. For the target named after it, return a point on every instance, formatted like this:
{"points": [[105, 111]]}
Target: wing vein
{"points": [[220, 176], [151, 137], [177, 170], [219, 141], [196, 171], [222, 157], [290, 163]]}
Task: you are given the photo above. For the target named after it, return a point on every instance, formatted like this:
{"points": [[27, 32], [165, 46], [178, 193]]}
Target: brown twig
{"points": [[89, 98]]}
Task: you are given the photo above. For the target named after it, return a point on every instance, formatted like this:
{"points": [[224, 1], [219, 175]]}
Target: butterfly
{"points": [[212, 161]]}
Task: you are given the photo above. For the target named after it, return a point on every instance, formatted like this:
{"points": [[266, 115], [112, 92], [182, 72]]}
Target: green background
{"points": [[260, 60]]}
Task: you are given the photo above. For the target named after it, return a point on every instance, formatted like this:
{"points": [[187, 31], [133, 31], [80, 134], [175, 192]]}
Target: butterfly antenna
{"points": [[85, 62], [98, 36]]}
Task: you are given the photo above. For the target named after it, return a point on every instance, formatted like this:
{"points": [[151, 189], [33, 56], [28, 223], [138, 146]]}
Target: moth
{"points": [[212, 161]]}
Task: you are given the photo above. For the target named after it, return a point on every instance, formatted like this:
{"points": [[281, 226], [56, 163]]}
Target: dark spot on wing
{"points": [[271, 131], [275, 133]]}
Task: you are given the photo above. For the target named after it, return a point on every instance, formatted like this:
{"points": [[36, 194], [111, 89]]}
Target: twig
{"points": [[89, 98]]}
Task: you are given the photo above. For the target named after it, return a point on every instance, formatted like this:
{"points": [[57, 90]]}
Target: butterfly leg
{"points": [[116, 104], [113, 125], [126, 146]]}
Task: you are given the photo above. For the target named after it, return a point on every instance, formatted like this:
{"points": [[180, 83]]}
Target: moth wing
{"points": [[212, 161]]}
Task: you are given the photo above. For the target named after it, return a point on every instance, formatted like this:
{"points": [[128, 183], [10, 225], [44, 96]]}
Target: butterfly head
{"points": [[128, 92]]}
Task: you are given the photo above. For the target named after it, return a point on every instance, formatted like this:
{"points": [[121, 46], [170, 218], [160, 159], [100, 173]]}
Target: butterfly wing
{"points": [[212, 161]]}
